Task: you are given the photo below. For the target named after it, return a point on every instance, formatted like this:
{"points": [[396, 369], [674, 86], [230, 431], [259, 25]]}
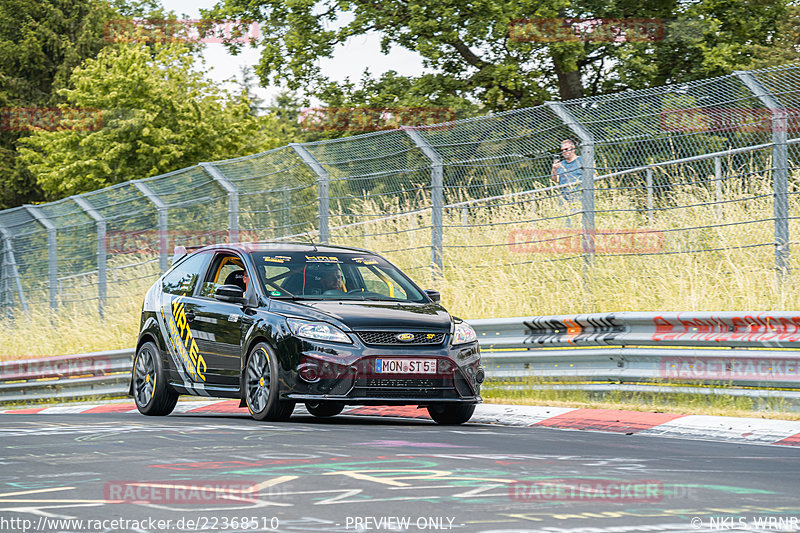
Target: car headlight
{"points": [[321, 331], [464, 334]]}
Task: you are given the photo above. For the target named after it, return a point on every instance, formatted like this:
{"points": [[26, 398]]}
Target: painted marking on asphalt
{"points": [[35, 491], [516, 415], [718, 428], [727, 428], [111, 408], [394, 481], [253, 489], [794, 440], [608, 420], [225, 406], [402, 411]]}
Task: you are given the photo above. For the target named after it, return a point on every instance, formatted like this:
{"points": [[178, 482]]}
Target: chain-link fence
{"points": [[668, 179]]}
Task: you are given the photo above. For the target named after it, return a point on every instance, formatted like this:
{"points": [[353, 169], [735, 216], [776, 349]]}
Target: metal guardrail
{"points": [[736, 353], [66, 377]]}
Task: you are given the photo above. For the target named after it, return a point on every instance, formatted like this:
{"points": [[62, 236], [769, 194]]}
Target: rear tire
{"points": [[451, 414], [151, 392], [325, 409], [261, 386]]}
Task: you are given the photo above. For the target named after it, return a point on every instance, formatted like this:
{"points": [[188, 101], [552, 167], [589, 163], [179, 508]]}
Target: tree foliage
{"points": [[159, 115], [473, 57], [40, 43]]}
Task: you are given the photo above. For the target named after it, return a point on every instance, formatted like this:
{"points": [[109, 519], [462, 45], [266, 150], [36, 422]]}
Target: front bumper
{"points": [[351, 377]]}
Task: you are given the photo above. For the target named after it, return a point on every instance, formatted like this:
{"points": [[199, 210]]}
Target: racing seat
{"points": [[236, 278]]}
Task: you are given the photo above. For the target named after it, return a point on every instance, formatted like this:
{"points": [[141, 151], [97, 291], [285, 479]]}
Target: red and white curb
{"points": [[698, 427]]}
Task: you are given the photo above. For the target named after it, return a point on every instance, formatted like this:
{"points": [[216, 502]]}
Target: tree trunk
{"points": [[570, 85]]}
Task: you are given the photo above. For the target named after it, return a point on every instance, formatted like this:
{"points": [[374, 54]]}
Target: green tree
{"points": [[40, 43], [158, 115], [474, 56]]}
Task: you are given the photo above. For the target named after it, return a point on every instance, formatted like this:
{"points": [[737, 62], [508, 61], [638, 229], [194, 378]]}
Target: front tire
{"points": [[261, 386], [451, 414], [325, 409], [151, 392]]}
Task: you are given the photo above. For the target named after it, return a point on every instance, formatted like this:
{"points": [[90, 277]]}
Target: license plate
{"points": [[405, 366]]}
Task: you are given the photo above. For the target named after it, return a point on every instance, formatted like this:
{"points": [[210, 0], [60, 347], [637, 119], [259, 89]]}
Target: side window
{"points": [[381, 284], [183, 279], [223, 267]]}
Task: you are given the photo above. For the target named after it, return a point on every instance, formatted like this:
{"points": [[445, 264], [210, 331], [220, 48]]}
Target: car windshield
{"points": [[343, 276]]}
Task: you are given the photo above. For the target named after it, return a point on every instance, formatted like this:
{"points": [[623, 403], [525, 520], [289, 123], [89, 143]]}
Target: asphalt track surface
{"points": [[226, 472]]}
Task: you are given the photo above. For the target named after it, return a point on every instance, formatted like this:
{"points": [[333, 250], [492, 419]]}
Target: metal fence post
{"points": [[233, 199], [323, 182], [780, 173], [587, 181], [650, 203], [437, 200], [286, 201], [718, 185], [52, 252], [10, 267], [100, 222], [5, 293], [163, 235]]}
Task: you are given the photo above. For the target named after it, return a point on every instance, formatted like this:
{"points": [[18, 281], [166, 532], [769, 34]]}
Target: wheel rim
{"points": [[258, 380], [144, 379]]}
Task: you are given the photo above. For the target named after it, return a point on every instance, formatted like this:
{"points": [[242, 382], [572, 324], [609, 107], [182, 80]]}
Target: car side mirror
{"points": [[230, 293], [433, 295]]}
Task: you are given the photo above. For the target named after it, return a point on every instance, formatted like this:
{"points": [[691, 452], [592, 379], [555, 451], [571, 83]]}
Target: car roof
{"points": [[250, 247]]}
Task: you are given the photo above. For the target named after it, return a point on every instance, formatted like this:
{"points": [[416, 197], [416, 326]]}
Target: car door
{"points": [[218, 325], [188, 367]]}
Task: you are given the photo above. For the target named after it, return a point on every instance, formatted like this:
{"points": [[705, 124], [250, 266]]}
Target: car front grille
{"points": [[391, 337]]}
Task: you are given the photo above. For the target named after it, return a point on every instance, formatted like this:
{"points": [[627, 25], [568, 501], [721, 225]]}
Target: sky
{"points": [[349, 60]]}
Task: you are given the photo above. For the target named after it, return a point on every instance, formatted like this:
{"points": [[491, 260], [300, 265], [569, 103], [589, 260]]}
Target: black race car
{"points": [[276, 324]]}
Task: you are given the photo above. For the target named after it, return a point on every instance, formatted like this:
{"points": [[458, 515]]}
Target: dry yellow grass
{"points": [[485, 278]]}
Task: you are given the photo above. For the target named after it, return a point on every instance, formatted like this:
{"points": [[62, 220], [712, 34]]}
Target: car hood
{"points": [[365, 316]]}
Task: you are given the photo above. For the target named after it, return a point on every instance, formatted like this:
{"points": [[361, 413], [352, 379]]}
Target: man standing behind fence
{"points": [[568, 171]]}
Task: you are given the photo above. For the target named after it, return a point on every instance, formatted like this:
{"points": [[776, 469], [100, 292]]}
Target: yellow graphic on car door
{"points": [[183, 342]]}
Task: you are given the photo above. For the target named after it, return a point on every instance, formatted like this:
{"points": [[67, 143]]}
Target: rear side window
{"points": [[183, 278]]}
